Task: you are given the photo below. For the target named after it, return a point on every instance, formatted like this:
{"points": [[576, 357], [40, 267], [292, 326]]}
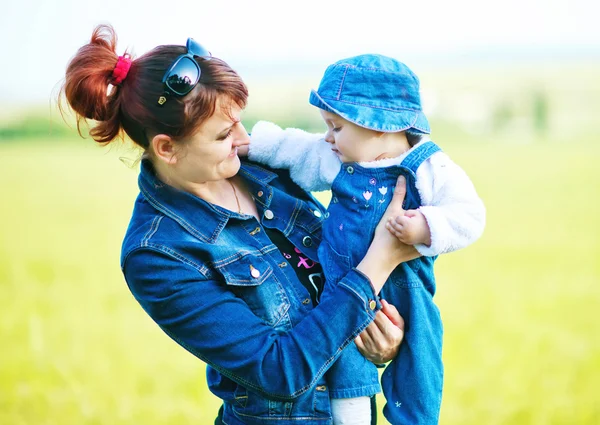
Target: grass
{"points": [[522, 339]]}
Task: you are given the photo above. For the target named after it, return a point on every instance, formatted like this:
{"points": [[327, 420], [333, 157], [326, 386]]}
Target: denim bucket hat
{"points": [[374, 92]]}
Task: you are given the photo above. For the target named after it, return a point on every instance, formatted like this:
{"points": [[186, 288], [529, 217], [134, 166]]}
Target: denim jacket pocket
{"points": [[335, 265], [252, 279]]}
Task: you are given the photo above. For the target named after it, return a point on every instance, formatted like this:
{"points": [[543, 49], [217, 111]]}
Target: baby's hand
{"points": [[411, 228], [243, 150]]}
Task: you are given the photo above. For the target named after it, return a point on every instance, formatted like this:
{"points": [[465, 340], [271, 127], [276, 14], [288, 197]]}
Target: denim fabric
{"points": [[215, 283], [372, 91], [412, 383]]}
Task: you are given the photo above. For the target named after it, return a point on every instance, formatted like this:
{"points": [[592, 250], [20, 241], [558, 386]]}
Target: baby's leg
{"points": [[351, 411], [412, 382]]}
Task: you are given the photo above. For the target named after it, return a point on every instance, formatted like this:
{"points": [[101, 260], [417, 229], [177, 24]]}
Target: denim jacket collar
{"points": [[199, 217]]}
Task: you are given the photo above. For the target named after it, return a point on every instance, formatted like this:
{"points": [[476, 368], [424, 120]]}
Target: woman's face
{"points": [[211, 153]]}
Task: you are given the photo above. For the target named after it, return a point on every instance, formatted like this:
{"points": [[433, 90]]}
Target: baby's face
{"points": [[350, 142]]}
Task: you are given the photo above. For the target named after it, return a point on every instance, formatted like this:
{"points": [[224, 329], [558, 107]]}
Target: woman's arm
{"points": [[208, 320], [312, 163], [386, 252]]}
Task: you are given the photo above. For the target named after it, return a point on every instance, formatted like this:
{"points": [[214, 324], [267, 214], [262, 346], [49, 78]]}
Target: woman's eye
{"points": [[226, 136]]}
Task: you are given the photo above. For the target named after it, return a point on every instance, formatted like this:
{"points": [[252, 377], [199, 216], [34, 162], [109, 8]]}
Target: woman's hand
{"points": [[380, 342], [386, 251]]}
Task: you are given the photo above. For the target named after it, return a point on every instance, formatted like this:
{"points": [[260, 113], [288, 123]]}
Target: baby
{"points": [[376, 132]]}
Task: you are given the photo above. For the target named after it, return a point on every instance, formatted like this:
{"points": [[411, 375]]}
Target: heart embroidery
{"points": [[383, 190], [367, 195]]}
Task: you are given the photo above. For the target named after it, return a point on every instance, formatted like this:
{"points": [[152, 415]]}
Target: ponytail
{"points": [[90, 87]]}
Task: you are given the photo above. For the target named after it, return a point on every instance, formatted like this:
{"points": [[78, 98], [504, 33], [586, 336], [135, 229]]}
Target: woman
{"points": [[222, 254]]}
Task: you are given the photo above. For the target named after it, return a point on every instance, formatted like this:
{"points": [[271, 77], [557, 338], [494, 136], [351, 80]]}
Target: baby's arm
{"points": [[452, 215], [312, 163]]}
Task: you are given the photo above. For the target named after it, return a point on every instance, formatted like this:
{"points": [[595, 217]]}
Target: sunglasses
{"points": [[184, 74]]}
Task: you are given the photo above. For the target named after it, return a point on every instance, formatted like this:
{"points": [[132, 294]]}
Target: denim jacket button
{"points": [[372, 304], [307, 241], [254, 272], [321, 388], [260, 193], [350, 169], [269, 214], [306, 301], [317, 213]]}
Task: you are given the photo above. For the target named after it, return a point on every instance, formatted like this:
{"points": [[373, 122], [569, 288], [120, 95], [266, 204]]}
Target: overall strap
{"points": [[419, 154]]}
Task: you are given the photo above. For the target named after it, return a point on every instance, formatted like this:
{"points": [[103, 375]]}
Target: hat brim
{"points": [[373, 118]]}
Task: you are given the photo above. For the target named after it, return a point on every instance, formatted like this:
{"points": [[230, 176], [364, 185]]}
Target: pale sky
{"points": [[39, 37]]}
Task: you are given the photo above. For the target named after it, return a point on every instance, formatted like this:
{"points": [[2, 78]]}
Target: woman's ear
{"points": [[164, 149]]}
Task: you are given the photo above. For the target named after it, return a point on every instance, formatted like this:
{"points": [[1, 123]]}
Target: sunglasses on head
{"points": [[184, 74]]}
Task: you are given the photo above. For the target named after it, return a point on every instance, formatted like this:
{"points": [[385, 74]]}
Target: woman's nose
{"points": [[241, 136]]}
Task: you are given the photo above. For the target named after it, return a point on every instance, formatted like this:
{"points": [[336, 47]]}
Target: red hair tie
{"points": [[121, 69]]}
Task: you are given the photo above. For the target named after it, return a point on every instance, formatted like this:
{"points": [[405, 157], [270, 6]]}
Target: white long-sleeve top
{"points": [[453, 210]]}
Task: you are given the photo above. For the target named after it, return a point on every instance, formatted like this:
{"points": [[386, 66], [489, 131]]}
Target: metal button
{"points": [[260, 193], [350, 169], [317, 213], [282, 265], [321, 388], [254, 272], [372, 304], [255, 231], [307, 241], [306, 301], [269, 214]]}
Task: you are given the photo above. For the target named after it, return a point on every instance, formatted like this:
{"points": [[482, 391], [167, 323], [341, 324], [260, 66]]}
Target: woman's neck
{"points": [[211, 191], [218, 192], [230, 194]]}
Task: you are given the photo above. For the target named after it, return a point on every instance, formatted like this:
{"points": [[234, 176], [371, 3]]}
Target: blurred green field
{"points": [[522, 335]]}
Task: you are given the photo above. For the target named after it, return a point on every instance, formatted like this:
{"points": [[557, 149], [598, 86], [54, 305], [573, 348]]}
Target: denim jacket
{"points": [[214, 282]]}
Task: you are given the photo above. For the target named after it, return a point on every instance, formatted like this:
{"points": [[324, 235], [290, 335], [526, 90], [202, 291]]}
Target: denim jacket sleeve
{"points": [[208, 320], [308, 157]]}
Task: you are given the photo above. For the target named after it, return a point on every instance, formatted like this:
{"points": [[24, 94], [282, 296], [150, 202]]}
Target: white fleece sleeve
{"points": [[453, 210], [312, 163]]}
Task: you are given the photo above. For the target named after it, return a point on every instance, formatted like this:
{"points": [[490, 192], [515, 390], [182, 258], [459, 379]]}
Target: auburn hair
{"points": [[132, 106]]}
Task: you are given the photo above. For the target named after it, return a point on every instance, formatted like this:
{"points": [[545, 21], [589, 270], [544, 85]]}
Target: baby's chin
{"points": [[346, 159], [343, 158]]}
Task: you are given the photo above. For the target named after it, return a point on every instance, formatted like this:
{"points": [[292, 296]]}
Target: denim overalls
{"points": [[216, 284], [412, 382]]}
